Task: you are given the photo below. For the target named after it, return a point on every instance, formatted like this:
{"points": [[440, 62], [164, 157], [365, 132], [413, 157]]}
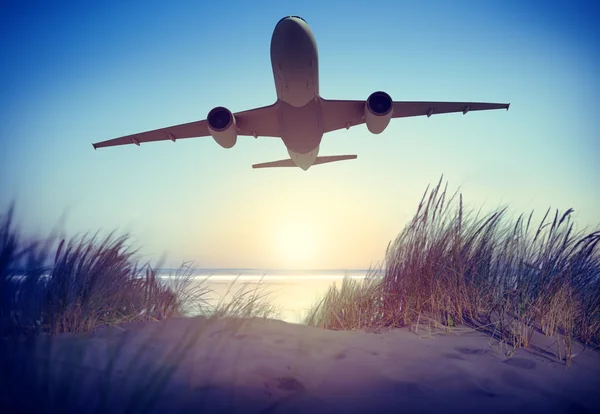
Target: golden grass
{"points": [[53, 286], [353, 305], [56, 286], [452, 267], [246, 302]]}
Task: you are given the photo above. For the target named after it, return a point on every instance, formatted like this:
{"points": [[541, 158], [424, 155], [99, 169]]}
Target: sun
{"points": [[296, 243]]}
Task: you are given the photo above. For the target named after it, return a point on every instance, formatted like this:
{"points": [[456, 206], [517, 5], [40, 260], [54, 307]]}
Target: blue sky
{"points": [[76, 73]]}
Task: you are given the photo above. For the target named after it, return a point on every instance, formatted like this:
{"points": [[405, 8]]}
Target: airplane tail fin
{"points": [[291, 163]]}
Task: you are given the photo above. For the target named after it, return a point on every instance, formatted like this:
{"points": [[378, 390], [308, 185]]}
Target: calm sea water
{"points": [[291, 292]]}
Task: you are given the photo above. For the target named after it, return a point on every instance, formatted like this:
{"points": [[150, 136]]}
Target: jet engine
{"points": [[222, 126], [378, 112]]}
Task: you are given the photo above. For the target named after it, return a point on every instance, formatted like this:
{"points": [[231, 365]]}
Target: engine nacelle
{"points": [[222, 126], [378, 111]]}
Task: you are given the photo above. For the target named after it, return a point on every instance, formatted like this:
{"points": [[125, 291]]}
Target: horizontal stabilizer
{"points": [[291, 163]]}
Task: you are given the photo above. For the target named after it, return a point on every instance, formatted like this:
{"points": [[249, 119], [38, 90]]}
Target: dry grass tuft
{"points": [[455, 267], [354, 305], [55, 286], [245, 302]]}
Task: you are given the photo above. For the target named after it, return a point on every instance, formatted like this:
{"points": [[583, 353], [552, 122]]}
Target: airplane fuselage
{"points": [[295, 63]]}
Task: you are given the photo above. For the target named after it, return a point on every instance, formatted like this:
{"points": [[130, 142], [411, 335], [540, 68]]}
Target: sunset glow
{"points": [[297, 244]]}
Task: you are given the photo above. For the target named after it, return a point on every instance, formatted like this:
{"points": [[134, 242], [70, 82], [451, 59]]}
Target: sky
{"points": [[74, 73]]}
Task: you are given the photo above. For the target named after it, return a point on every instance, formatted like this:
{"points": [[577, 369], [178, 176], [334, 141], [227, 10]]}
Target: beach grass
{"points": [[453, 266], [355, 304], [41, 376], [57, 286], [54, 286], [246, 301]]}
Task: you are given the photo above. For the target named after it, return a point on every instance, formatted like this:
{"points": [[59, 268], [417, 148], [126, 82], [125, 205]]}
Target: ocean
{"points": [[290, 292]]}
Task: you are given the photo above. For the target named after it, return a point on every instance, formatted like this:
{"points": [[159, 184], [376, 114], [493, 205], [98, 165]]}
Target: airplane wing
{"points": [[338, 114], [262, 122]]}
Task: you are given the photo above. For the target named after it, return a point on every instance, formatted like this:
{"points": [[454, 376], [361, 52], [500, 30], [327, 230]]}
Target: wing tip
{"points": [[508, 106], [94, 145]]}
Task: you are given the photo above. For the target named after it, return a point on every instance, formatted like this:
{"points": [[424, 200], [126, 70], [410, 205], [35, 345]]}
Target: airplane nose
{"points": [[290, 19], [292, 30], [287, 26], [290, 37], [291, 26], [294, 60]]}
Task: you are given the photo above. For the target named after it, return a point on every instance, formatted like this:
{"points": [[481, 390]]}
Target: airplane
{"points": [[300, 116]]}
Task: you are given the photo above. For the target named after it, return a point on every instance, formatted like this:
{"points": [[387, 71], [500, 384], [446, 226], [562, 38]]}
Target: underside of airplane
{"points": [[300, 116]]}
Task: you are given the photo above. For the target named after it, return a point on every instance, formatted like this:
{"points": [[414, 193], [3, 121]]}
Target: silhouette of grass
{"points": [[43, 377], [451, 266], [84, 284], [54, 286], [245, 302]]}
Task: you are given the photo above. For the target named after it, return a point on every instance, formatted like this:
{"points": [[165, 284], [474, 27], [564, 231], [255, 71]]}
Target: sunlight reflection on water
{"points": [[291, 292]]}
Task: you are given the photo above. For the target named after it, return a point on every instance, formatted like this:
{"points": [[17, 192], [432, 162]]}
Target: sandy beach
{"points": [[256, 365]]}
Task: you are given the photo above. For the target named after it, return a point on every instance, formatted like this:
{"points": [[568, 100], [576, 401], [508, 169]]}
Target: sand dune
{"points": [[269, 366]]}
